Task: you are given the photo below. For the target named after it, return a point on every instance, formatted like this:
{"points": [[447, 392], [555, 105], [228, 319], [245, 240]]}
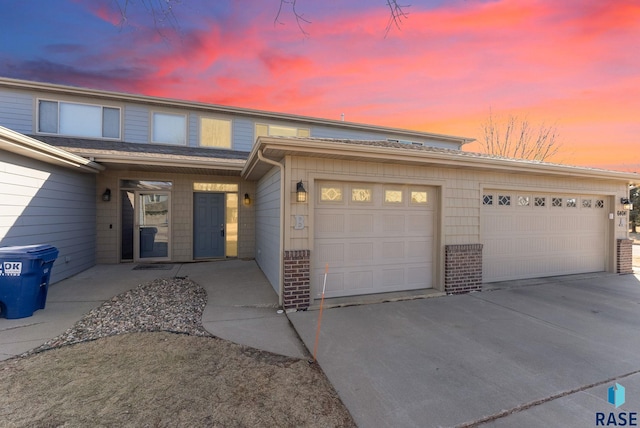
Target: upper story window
{"points": [[169, 128], [215, 133], [264, 130], [79, 120]]}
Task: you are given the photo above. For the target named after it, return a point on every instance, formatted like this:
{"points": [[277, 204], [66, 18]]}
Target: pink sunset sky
{"points": [[574, 63]]}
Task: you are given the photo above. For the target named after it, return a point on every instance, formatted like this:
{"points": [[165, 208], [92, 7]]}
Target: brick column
{"points": [[297, 285], [624, 250], [462, 268]]}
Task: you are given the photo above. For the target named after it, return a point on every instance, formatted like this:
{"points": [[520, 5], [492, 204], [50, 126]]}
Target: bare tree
{"points": [[397, 14], [162, 12], [517, 137]]}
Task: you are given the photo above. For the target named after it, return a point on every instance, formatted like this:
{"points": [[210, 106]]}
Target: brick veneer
{"points": [[462, 268], [297, 286], [624, 249]]}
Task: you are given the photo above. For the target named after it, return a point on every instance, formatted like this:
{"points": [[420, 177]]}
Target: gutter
{"points": [[281, 253], [231, 165]]}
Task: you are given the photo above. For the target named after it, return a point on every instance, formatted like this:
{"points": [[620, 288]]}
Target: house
{"points": [[110, 177]]}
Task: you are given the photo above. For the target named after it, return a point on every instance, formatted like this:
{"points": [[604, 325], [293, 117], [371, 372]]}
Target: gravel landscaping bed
{"points": [[173, 305]]}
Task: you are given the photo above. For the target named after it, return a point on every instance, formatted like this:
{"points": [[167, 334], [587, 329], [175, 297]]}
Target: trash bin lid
{"points": [[32, 251]]}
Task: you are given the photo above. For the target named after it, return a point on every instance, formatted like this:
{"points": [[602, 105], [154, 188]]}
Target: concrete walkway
{"points": [[241, 307], [534, 353]]}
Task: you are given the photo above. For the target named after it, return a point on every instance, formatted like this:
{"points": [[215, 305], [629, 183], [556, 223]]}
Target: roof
{"points": [[159, 157], [23, 145], [385, 151], [266, 115]]}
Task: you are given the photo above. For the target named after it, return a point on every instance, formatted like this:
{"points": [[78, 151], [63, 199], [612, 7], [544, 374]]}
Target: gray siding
{"points": [[193, 131], [136, 124], [243, 131], [46, 204], [268, 226], [16, 111]]}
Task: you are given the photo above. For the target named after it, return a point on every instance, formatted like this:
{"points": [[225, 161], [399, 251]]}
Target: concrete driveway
{"points": [[530, 354]]}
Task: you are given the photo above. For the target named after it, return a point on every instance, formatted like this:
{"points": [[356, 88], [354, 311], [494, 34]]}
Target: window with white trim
{"points": [[169, 128], [78, 120]]}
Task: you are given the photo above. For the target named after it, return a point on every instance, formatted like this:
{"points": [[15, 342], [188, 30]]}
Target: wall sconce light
{"points": [[106, 196], [247, 200], [626, 204], [301, 193]]}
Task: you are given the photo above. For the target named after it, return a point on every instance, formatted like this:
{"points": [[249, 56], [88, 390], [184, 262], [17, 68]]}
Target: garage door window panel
{"points": [[361, 195], [330, 194], [540, 201], [419, 198], [393, 196], [487, 200]]}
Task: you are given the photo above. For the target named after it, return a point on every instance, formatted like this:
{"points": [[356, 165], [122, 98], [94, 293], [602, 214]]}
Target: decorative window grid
{"points": [[599, 203], [572, 203], [393, 196], [504, 200], [586, 203], [487, 200], [540, 201], [331, 194], [524, 201], [361, 195], [556, 202], [419, 197]]}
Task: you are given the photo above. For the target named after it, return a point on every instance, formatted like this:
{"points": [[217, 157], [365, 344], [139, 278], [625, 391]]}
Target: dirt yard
{"points": [[165, 380]]}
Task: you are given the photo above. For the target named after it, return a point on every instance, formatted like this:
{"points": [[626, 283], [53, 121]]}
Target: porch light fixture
{"points": [[247, 200], [301, 194], [106, 196], [626, 204]]}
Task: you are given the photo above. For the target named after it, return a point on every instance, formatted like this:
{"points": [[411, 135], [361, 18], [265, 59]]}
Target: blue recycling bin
{"points": [[24, 279]]}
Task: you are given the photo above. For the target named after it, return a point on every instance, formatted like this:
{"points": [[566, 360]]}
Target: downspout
{"points": [[281, 255]]}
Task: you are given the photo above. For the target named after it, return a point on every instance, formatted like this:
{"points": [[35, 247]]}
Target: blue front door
{"points": [[208, 225]]}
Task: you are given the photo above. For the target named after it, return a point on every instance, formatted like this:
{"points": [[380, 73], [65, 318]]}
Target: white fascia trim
{"points": [[18, 143], [232, 165]]}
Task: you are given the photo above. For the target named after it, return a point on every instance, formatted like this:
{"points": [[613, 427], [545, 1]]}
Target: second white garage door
{"points": [[529, 235], [376, 238]]}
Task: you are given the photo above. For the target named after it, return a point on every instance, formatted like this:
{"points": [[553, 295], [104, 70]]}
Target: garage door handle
{"points": [[222, 230]]}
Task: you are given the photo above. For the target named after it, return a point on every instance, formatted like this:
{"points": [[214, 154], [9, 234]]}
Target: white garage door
{"points": [[376, 238], [529, 235]]}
